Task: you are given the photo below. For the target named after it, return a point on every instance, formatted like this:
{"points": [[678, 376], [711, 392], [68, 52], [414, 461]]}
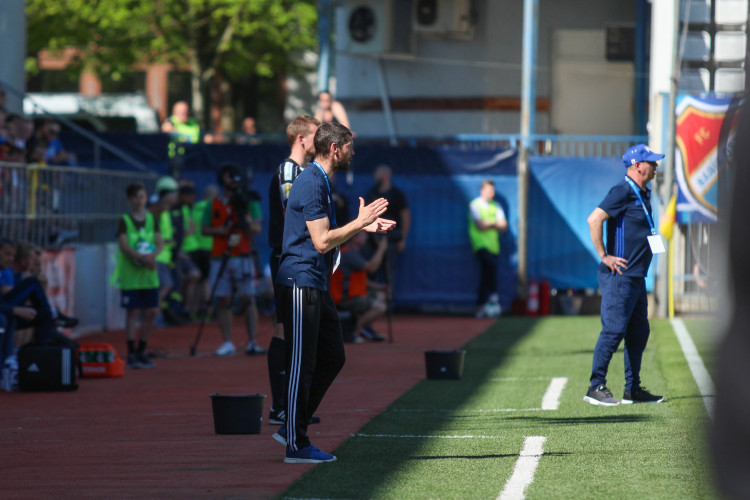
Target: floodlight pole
{"points": [[667, 188], [324, 40], [528, 126]]}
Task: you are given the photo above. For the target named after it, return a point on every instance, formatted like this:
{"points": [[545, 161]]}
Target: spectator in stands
{"points": [[351, 290], [47, 132], [330, 110], [486, 222], [3, 97], [183, 129], [398, 210], [12, 154], [166, 189], [233, 220], [139, 243], [14, 130], [248, 132], [36, 151]]}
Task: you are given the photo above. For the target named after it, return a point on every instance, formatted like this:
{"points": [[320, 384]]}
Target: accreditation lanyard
{"points": [[645, 210], [336, 260], [330, 193]]}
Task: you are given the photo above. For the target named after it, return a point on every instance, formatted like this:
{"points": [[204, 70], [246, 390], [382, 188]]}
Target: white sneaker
{"points": [[494, 310], [226, 349]]}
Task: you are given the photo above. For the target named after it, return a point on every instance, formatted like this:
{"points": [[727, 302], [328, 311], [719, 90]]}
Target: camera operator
{"points": [[232, 220]]}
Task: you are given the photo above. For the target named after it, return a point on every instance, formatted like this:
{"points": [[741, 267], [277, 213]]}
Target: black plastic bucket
{"points": [[444, 365], [237, 414]]}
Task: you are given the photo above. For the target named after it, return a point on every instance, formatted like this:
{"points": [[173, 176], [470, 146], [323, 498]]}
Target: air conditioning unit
{"points": [[451, 18], [365, 26]]}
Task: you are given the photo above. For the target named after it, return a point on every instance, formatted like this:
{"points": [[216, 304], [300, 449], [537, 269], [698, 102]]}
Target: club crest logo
{"points": [[703, 140]]}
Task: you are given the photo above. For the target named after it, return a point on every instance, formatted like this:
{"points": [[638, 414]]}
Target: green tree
{"points": [[216, 40]]}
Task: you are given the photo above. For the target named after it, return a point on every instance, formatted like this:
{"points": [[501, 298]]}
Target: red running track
{"points": [[150, 433]]}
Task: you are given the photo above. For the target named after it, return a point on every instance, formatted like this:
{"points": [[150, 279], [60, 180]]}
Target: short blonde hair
{"points": [[300, 126]]}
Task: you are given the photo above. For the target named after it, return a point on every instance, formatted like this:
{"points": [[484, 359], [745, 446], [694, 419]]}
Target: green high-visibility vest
{"points": [[131, 276], [190, 241], [167, 233], [205, 242], [488, 239], [188, 132]]}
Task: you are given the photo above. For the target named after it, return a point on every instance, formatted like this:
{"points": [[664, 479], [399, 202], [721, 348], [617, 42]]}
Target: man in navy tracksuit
{"points": [[631, 241], [315, 346]]}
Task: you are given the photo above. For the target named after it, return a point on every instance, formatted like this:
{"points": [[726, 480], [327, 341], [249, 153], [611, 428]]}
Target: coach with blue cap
{"points": [[625, 257]]}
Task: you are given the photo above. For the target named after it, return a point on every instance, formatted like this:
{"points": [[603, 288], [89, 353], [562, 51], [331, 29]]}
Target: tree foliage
{"points": [[234, 39]]}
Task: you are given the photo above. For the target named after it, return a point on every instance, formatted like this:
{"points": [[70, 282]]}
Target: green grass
{"points": [[629, 451], [705, 332]]}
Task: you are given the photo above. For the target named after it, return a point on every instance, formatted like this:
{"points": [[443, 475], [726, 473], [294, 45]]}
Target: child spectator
{"points": [[139, 243], [166, 189]]}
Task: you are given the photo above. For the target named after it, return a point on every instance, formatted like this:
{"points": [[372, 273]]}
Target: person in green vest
{"points": [[182, 129], [139, 242], [186, 242], [204, 243], [166, 189], [486, 222]]}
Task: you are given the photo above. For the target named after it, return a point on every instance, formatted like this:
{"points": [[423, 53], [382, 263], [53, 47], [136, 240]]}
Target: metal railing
{"points": [[600, 146], [50, 205]]}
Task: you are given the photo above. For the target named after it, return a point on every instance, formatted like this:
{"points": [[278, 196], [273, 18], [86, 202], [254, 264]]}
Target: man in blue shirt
{"points": [[631, 237], [315, 346]]}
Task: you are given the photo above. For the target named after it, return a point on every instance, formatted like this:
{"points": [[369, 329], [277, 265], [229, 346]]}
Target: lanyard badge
{"points": [[654, 241]]}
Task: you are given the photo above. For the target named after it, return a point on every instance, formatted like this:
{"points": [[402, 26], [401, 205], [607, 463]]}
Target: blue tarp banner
{"points": [[438, 268]]}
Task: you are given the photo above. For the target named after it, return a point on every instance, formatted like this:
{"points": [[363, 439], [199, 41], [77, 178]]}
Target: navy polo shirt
{"points": [[309, 199], [628, 228]]}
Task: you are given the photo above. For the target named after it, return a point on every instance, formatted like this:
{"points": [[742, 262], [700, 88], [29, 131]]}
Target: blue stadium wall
{"points": [[438, 269]]}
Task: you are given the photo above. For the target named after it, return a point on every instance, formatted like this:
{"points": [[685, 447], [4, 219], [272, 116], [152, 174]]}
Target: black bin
{"points": [[444, 365], [237, 414]]}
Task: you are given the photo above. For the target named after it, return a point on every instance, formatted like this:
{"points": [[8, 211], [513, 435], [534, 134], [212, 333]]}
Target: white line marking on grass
{"points": [[523, 472], [424, 436], [695, 362], [551, 399], [467, 410]]}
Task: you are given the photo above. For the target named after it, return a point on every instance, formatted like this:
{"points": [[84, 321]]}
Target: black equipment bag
{"points": [[46, 368]]}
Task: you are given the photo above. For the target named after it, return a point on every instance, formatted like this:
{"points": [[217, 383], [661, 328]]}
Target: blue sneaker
{"points": [[280, 435], [308, 455]]}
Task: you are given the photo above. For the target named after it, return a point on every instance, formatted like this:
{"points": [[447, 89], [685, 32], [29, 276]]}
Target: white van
{"points": [[107, 112]]}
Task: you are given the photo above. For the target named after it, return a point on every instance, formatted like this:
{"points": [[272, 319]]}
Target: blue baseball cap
{"points": [[638, 153]]}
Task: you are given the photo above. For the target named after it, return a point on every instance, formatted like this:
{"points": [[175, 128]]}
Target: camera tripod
{"points": [[204, 309]]}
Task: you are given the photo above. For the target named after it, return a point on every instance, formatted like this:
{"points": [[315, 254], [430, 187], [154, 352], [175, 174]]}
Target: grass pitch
{"points": [[461, 439]]}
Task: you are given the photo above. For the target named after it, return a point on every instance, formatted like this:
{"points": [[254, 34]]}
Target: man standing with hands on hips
{"points": [[631, 242], [310, 252]]}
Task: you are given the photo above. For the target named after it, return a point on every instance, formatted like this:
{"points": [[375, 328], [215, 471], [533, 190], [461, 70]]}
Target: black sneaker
{"points": [[144, 361], [278, 417], [600, 396], [370, 334], [640, 395], [133, 361]]}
